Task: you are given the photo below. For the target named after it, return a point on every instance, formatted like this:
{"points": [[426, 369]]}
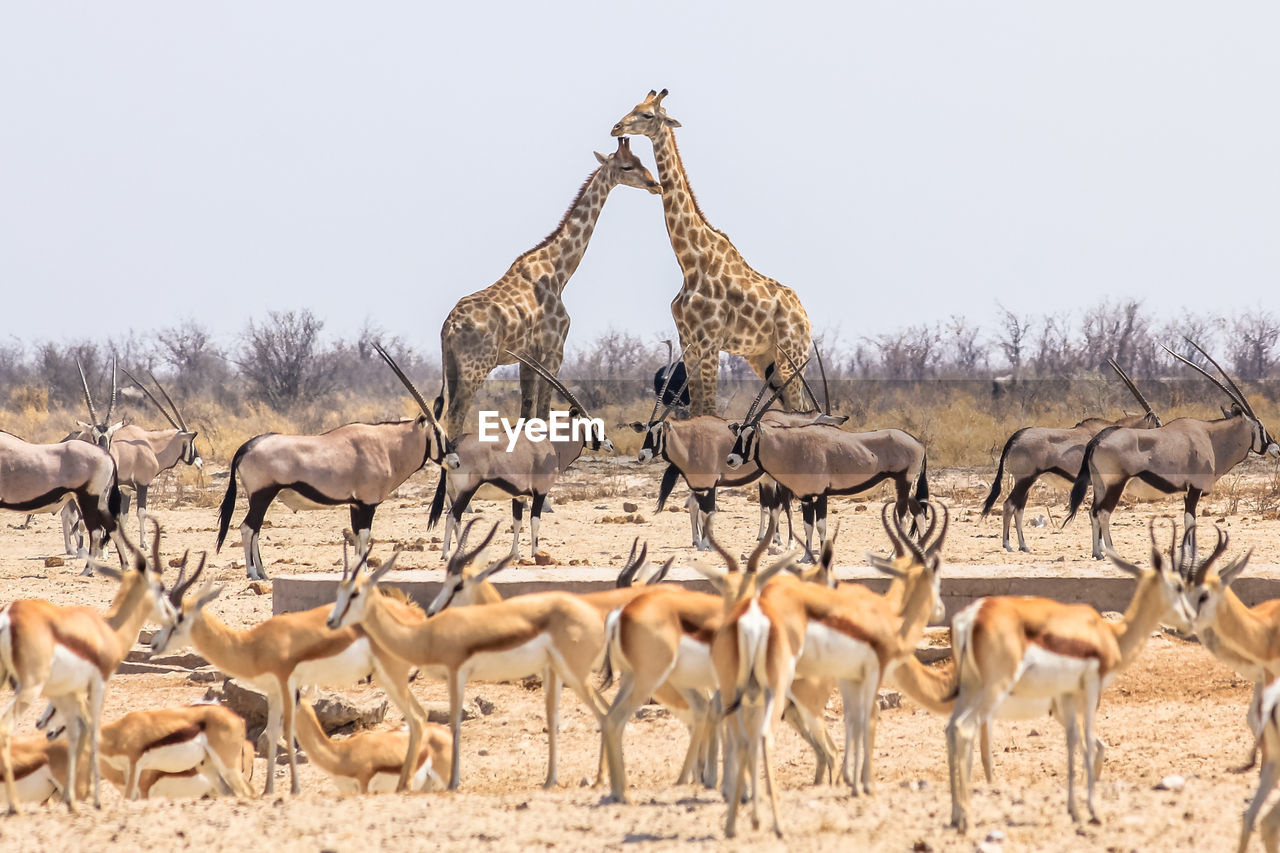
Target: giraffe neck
{"points": [[684, 218], [564, 249]]}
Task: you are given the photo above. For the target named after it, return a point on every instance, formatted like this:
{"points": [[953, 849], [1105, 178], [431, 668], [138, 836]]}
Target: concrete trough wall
{"points": [[1103, 588]]}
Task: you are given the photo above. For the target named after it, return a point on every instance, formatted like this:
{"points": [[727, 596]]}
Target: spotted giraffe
{"points": [[523, 311], [724, 304]]}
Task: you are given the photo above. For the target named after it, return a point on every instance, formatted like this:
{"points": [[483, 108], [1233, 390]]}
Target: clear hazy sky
{"points": [[893, 162]]}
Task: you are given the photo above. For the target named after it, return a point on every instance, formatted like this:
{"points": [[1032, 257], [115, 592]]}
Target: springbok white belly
{"points": [[175, 757], [69, 673], [527, 658], [1045, 675], [36, 787], [345, 668], [828, 652], [693, 669], [181, 786], [385, 783]]}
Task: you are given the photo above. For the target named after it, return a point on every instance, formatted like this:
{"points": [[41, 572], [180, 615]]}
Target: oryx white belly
{"points": [[56, 506], [693, 669], [490, 492], [526, 659], [181, 786], [1044, 674], [347, 667], [1053, 480], [69, 673], [297, 502], [828, 652], [36, 787], [1137, 490]]}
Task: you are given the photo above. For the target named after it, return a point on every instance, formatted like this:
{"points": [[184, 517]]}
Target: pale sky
{"points": [[893, 162]]}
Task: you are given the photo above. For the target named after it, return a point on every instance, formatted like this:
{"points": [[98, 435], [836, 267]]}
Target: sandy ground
{"points": [[1176, 711]]}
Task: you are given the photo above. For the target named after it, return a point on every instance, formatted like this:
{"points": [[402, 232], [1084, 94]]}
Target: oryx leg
{"points": [[535, 519], [1101, 515], [250, 529], [517, 524], [807, 511], [142, 509], [695, 526], [820, 520], [768, 497], [453, 521], [1014, 506], [362, 524], [71, 523], [1189, 504], [706, 499]]}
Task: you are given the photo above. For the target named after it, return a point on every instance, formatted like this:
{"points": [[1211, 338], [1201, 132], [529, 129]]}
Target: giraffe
{"points": [[724, 304], [523, 311]]}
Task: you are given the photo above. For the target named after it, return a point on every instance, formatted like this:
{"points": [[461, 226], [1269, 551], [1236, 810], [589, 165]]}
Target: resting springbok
{"points": [[1024, 656], [1035, 452], [370, 762], [182, 752], [815, 462], [524, 468], [357, 465], [1186, 455], [66, 655], [39, 768], [282, 654], [555, 634]]}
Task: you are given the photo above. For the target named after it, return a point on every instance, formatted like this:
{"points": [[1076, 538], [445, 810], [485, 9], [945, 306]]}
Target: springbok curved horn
{"points": [[1133, 389], [88, 398], [917, 553], [1207, 375], [546, 374], [180, 588], [731, 562], [152, 398], [1240, 397], [413, 391], [899, 549], [936, 545], [753, 560], [1202, 569], [461, 559]]}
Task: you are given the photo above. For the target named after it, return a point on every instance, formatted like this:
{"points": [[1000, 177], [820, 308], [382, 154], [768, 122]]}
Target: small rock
{"points": [[542, 558], [204, 675], [482, 705], [435, 540], [889, 699], [54, 562], [186, 660], [260, 587], [524, 561], [249, 702], [373, 562], [1171, 783], [414, 546], [483, 752], [922, 846], [335, 711], [995, 836], [628, 506], [863, 508], [582, 783], [438, 712], [1033, 733], [175, 562]]}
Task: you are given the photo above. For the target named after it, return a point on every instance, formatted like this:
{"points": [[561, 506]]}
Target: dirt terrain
{"points": [[1175, 712]]}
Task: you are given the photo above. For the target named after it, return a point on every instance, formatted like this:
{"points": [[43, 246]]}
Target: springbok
{"points": [[556, 634], [67, 654], [1035, 452], [1024, 656], [817, 461], [1186, 455], [357, 465], [287, 651], [520, 469], [370, 762], [39, 768]]}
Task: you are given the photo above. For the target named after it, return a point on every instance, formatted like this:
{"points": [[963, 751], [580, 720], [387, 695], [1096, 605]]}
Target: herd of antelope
{"points": [[771, 643]]}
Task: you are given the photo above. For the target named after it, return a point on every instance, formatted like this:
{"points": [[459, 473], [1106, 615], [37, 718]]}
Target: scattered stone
{"points": [[483, 752], [204, 675], [542, 558], [652, 712], [863, 508], [54, 562], [1033, 733], [249, 702], [138, 654], [675, 509], [628, 506], [631, 518], [1172, 783], [139, 668], [413, 546], [889, 699], [438, 712], [524, 561], [175, 562], [435, 540], [482, 705], [373, 562], [995, 836], [186, 660], [922, 846], [334, 711], [145, 635]]}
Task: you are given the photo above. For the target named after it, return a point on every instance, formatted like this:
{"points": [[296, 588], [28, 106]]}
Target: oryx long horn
{"points": [[546, 374], [413, 391], [88, 398], [1240, 397], [826, 392], [177, 414], [755, 401], [666, 382], [670, 406], [1133, 389], [805, 382], [152, 398], [111, 405], [777, 393], [1207, 375]]}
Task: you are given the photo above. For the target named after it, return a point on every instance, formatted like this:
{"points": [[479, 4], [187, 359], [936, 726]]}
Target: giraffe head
{"points": [[623, 167], [647, 119]]}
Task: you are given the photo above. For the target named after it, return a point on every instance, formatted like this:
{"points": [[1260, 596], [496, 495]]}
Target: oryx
{"points": [[816, 461], [98, 431], [1185, 455], [523, 468], [1035, 452], [44, 477], [697, 448], [356, 465]]}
